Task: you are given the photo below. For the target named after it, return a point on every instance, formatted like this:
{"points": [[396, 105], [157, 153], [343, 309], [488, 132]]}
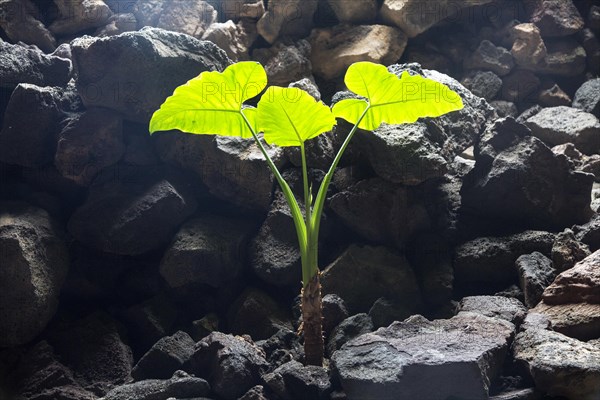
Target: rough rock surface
{"points": [[165, 357], [285, 62], [587, 97], [519, 179], [105, 77], [398, 216], [335, 49], [492, 58], [568, 251], [88, 143], [491, 260], [93, 348], [273, 252], [209, 250], [231, 364], [233, 169], [589, 233], [34, 263], [484, 84], [27, 141], [293, 381], [287, 18], [413, 18], [577, 320], [40, 375], [536, 272], [234, 39], [508, 309], [555, 17], [348, 329], [362, 274], [564, 57], [77, 16], [578, 284], [21, 22], [403, 153], [558, 125], [180, 386], [529, 47], [418, 358], [559, 365], [255, 313], [132, 213], [354, 12]]}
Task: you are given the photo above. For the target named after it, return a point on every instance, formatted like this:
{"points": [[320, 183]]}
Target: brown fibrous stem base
{"points": [[312, 322]]}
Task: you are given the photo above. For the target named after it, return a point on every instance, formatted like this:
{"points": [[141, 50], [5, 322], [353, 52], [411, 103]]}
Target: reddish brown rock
{"points": [[578, 284]]}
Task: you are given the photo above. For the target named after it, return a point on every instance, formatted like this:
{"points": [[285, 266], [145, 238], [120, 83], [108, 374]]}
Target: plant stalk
{"points": [[312, 322]]}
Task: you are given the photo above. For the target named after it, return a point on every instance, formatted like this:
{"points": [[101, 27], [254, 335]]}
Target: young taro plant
{"points": [[213, 103]]}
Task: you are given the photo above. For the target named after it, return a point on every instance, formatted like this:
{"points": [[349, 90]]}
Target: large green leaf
{"points": [[391, 99], [290, 116], [212, 102]]}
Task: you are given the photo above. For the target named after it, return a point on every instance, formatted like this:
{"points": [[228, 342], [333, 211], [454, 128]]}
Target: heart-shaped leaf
{"points": [[290, 116], [391, 99], [211, 103]]}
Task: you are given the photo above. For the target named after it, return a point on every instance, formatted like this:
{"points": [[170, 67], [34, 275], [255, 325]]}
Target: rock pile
{"points": [[460, 255]]}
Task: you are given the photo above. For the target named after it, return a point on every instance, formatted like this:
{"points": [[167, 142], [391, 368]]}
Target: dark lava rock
{"points": [[384, 312], [21, 22], [521, 181], [334, 312], [149, 321], [180, 386], [403, 153], [78, 16], [134, 212], [431, 259], [587, 97], [559, 365], [27, 141], [399, 214], [167, 355], [555, 17], [491, 58], [536, 272], [490, 261], [105, 77], [231, 364], [19, 64], [362, 274], [421, 359], [89, 142], [565, 57], [589, 233], [285, 62], [508, 309], [505, 108], [558, 125], [34, 262], [484, 84], [568, 251], [92, 347], [40, 375], [455, 131], [209, 250], [520, 87], [348, 329], [233, 169], [256, 314], [274, 253], [258, 392], [282, 347], [294, 381]]}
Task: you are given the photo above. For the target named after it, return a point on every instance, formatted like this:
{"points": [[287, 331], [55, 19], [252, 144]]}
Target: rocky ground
{"points": [[460, 255]]}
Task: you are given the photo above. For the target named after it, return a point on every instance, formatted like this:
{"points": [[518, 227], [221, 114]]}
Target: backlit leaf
{"points": [[290, 116], [211, 103], [393, 100]]}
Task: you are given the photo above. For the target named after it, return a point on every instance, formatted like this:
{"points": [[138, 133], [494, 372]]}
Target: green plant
{"points": [[213, 103]]}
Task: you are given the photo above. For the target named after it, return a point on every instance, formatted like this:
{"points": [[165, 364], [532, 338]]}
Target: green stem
{"points": [[308, 268], [301, 230], [314, 224]]}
